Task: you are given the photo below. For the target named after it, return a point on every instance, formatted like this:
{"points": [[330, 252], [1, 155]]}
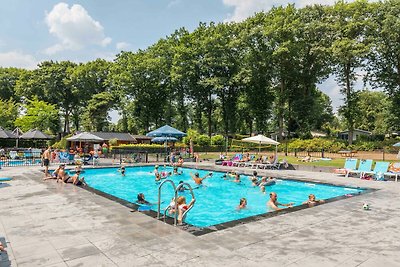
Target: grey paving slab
{"points": [[49, 224], [98, 260], [43, 258], [80, 251]]}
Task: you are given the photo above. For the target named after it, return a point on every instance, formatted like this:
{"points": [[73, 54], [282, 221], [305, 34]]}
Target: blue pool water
{"points": [[216, 201]]}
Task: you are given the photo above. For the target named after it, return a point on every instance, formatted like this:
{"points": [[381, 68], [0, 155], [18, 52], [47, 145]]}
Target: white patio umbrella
{"points": [[261, 140], [85, 137]]}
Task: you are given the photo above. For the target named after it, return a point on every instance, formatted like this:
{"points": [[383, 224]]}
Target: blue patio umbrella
{"points": [[397, 144], [166, 131], [163, 139]]}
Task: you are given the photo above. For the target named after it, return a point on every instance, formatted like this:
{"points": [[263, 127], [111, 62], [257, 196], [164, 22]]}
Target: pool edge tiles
{"points": [[199, 231]]}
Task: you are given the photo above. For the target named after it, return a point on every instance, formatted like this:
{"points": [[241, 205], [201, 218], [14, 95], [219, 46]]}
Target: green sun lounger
{"points": [[5, 179]]}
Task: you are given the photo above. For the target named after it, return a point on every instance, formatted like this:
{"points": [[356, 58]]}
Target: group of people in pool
{"points": [[179, 205], [61, 175], [273, 203]]}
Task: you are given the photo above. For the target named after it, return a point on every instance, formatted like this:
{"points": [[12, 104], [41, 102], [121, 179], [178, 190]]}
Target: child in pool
{"points": [[242, 204]]}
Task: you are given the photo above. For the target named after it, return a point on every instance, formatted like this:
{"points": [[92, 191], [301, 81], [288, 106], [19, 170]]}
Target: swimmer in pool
{"points": [[254, 179], [155, 169], [242, 204], [196, 177], [262, 188], [273, 202], [311, 202], [182, 207], [176, 172], [237, 178], [165, 174], [122, 170], [171, 206]]}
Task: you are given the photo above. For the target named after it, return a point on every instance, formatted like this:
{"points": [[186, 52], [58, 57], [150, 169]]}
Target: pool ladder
{"points": [[176, 190]]}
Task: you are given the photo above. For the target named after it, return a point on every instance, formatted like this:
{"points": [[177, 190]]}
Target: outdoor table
{"points": [[347, 153]]}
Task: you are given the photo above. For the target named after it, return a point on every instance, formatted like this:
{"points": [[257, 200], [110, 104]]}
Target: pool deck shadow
{"points": [[50, 224]]}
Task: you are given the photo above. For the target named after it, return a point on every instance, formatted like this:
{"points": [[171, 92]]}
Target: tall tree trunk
{"points": [[281, 108], [66, 123], [348, 94], [209, 115]]}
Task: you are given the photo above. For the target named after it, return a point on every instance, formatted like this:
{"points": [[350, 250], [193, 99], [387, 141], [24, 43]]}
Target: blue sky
{"points": [[33, 31]]}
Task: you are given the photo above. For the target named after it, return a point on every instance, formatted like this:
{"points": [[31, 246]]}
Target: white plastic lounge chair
{"points": [[365, 166], [380, 170], [13, 154], [349, 165]]}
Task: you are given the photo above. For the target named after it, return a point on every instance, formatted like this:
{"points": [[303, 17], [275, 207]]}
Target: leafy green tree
{"points": [[384, 60], [374, 112], [350, 22], [8, 81], [95, 117], [50, 82], [87, 80], [255, 72], [39, 115], [8, 113]]}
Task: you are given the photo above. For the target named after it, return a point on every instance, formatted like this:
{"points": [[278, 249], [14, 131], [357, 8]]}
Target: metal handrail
{"points": [[193, 198], [159, 198]]}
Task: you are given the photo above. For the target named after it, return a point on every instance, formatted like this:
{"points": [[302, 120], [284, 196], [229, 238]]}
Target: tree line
{"points": [[259, 75]]}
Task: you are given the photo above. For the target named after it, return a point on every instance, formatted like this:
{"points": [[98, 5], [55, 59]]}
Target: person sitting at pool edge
{"points": [[75, 179], [242, 204], [196, 178], [182, 207], [311, 202], [54, 175], [62, 175], [273, 202], [141, 199]]}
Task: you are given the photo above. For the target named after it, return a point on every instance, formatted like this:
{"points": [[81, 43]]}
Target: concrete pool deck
{"points": [[50, 224]]}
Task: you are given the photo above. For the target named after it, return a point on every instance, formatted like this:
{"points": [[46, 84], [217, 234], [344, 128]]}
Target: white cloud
{"points": [[246, 8], [18, 60], [243, 9], [74, 27], [174, 3], [123, 46]]}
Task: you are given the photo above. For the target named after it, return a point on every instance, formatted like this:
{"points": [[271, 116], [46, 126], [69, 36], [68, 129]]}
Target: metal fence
{"points": [[20, 157]]}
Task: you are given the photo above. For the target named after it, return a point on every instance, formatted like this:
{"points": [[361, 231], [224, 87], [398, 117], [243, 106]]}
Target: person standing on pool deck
{"points": [[196, 177], [273, 202], [46, 161]]}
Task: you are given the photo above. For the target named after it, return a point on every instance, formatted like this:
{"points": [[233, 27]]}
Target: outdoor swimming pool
{"points": [[216, 201], [20, 162]]}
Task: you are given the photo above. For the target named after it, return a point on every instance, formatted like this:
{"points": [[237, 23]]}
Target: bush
{"points": [[203, 140], [217, 140], [62, 144], [113, 142]]}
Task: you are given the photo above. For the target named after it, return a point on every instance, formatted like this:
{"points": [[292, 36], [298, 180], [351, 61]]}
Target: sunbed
{"points": [[380, 170], [394, 170], [365, 166], [349, 165]]}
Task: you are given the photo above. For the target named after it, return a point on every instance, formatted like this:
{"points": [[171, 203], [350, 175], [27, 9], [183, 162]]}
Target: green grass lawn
{"points": [[336, 163]]}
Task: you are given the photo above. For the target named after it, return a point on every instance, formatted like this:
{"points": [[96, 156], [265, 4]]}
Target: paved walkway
{"points": [[50, 224]]}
